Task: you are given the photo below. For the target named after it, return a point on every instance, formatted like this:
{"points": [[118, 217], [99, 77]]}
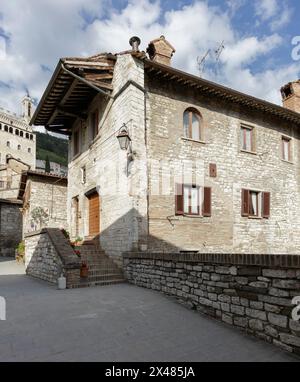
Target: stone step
{"points": [[104, 277], [103, 271], [86, 284]]}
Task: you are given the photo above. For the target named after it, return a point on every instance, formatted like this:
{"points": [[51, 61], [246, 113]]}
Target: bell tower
{"points": [[27, 108]]}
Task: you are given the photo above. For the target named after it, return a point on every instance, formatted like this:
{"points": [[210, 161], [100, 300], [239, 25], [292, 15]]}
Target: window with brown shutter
{"points": [[266, 204], [206, 210], [255, 204], [245, 202], [188, 200]]}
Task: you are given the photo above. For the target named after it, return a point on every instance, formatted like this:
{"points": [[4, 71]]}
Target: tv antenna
{"points": [[201, 62], [218, 53]]}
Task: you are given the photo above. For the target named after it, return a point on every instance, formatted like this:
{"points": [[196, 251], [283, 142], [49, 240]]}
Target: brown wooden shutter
{"points": [[245, 202], [207, 202], [179, 199], [266, 198]]}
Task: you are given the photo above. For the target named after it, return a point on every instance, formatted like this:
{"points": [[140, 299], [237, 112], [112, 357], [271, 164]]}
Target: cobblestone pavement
{"points": [[113, 323]]}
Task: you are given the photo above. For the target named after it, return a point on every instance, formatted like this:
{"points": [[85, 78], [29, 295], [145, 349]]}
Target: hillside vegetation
{"points": [[55, 148]]}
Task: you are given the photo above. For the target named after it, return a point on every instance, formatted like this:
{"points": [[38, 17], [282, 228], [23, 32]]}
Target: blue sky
{"points": [[257, 58]]}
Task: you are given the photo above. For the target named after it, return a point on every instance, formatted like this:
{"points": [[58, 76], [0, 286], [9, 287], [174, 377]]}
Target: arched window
{"points": [[29, 150], [19, 147], [31, 137], [21, 133], [17, 132], [27, 135], [192, 125], [8, 144], [5, 128], [0, 126], [11, 130]]}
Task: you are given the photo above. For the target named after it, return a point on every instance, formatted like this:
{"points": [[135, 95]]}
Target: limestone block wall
{"points": [[10, 227], [122, 186], [51, 196], [48, 255], [263, 170], [252, 292]]}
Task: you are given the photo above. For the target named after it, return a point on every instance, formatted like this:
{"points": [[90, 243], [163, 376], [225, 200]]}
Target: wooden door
{"points": [[94, 214]]}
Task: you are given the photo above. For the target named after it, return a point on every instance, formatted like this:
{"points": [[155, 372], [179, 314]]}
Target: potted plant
{"points": [[84, 270], [20, 252]]}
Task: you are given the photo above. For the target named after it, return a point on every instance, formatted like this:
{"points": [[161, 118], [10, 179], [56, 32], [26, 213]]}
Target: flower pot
{"points": [[84, 270]]}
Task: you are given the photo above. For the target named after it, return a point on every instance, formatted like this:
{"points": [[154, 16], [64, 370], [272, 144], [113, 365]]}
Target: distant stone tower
{"points": [[27, 108]]}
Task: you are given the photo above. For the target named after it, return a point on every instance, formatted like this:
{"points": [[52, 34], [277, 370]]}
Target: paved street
{"points": [[113, 323]]}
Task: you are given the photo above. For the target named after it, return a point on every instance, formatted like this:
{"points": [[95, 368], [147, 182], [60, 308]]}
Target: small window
{"points": [[27, 136], [7, 144], [83, 175], [0, 126], [31, 137], [76, 143], [29, 150], [17, 132], [94, 123], [255, 204], [247, 138], [21, 134], [1, 184], [5, 128], [286, 149], [192, 125], [192, 200], [19, 147], [11, 130]]}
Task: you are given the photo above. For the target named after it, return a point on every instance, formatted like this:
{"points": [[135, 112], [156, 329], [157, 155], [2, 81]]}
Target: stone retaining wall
{"points": [[251, 292], [48, 254]]}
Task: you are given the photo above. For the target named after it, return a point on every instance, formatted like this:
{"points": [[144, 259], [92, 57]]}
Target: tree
{"points": [[47, 165]]}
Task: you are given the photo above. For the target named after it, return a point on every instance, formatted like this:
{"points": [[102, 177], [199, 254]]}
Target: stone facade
{"points": [[17, 140], [253, 293], [44, 201], [48, 255], [122, 209], [10, 227], [137, 189], [226, 230]]}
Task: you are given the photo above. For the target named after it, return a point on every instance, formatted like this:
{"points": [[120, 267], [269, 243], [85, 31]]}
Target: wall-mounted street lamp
{"points": [[124, 138]]}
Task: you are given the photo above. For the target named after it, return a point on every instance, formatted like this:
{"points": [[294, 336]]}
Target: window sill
{"points": [[287, 161], [248, 152], [255, 217], [192, 140]]}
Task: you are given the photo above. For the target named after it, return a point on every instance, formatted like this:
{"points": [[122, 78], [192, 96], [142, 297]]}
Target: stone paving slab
{"points": [[114, 323]]}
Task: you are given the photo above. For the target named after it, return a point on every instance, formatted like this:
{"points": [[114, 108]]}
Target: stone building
{"points": [[55, 168], [44, 198], [10, 226], [17, 141], [164, 161]]}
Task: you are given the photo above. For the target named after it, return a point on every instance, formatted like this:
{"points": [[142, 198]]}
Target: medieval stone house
{"points": [[44, 198], [164, 161]]}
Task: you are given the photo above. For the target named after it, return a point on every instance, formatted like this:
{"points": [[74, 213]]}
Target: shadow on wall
{"points": [[130, 233]]}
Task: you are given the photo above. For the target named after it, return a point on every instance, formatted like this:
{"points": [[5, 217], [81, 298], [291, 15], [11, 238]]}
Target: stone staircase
{"points": [[102, 269]]}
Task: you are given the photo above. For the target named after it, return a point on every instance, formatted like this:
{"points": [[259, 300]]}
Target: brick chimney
{"points": [[291, 96], [161, 51]]}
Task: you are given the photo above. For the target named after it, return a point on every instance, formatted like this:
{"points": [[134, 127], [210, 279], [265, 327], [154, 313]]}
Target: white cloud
{"points": [[49, 29], [276, 12], [266, 9]]}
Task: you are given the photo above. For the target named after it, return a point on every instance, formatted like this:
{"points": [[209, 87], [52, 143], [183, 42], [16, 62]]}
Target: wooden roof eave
{"points": [[221, 91]]}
